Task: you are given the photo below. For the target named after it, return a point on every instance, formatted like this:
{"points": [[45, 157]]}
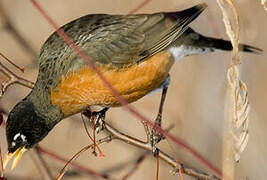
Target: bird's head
{"points": [[24, 129]]}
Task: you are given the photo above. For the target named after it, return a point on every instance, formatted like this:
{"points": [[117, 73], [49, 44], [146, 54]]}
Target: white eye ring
{"points": [[16, 136], [13, 144], [21, 136]]}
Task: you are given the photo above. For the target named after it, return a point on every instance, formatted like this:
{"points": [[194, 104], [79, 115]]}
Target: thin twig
{"points": [[64, 169], [157, 168], [179, 168], [13, 79], [73, 164], [162, 155], [141, 5], [11, 62], [92, 139], [147, 131]]}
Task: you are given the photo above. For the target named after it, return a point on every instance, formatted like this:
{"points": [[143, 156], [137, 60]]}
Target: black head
{"points": [[25, 127]]}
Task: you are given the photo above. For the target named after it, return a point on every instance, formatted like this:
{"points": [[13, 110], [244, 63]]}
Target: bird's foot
{"points": [[98, 118], [156, 137]]}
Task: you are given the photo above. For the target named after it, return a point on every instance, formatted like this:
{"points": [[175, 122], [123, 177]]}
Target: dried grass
{"points": [[263, 2], [237, 105]]}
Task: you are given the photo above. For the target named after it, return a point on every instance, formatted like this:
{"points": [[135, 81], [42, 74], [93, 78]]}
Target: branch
{"points": [[141, 5], [162, 155], [73, 164], [13, 79]]}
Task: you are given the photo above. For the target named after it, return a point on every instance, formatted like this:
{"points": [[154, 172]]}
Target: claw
{"points": [[100, 119]]}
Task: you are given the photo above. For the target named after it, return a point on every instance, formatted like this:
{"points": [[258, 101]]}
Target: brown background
{"points": [[195, 101]]}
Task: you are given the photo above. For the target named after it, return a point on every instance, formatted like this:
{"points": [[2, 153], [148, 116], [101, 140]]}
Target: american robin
{"points": [[133, 52]]}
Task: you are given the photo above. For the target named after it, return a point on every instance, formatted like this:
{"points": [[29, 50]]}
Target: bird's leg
{"points": [[88, 113], [155, 136], [97, 117], [100, 119]]}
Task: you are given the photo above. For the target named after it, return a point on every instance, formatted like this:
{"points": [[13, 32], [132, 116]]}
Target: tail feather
{"points": [[250, 49], [225, 45], [193, 39], [187, 15]]}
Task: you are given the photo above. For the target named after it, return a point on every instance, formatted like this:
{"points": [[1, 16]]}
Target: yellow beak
{"points": [[16, 155]]}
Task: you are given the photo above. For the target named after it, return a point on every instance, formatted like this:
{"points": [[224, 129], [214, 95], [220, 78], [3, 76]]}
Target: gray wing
{"points": [[118, 40]]}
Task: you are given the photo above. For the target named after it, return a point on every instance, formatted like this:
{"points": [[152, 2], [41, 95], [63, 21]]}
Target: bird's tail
{"points": [[191, 38]]}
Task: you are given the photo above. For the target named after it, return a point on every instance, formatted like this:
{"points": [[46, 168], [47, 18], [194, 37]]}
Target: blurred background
{"points": [[194, 104]]}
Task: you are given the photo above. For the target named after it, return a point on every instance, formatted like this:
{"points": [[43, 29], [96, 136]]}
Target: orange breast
{"points": [[81, 89]]}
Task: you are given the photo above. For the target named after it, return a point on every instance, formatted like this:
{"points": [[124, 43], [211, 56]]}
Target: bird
{"points": [[133, 52]]}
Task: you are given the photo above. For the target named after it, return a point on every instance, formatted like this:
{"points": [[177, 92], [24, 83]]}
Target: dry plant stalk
{"points": [[237, 105], [263, 2]]}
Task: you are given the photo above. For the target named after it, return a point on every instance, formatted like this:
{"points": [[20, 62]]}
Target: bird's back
{"points": [[114, 43]]}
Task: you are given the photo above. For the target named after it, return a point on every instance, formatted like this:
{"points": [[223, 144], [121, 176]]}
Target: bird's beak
{"points": [[17, 156]]}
